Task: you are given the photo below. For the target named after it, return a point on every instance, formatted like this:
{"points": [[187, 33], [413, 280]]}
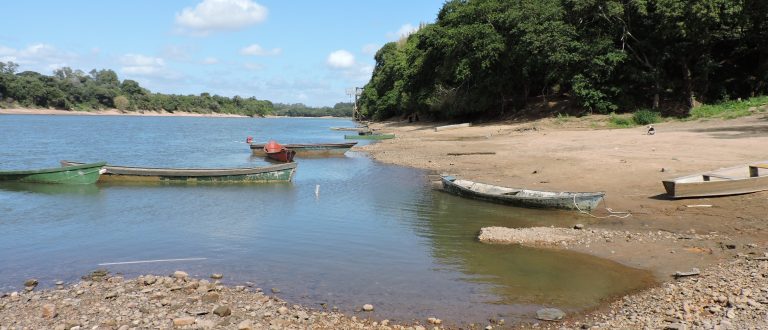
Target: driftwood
{"points": [[442, 128], [471, 153], [694, 271]]}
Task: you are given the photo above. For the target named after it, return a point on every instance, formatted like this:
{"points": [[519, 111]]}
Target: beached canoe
{"points": [[373, 136], [522, 197], [309, 149], [264, 174], [735, 180], [351, 129], [81, 174]]}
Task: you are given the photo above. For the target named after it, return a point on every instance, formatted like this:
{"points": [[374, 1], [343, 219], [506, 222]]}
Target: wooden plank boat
{"points": [[522, 197], [264, 174], [81, 174], [735, 180], [309, 149], [278, 152], [372, 136], [351, 129]]}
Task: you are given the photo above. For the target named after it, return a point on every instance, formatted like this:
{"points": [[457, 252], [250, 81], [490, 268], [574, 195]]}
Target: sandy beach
{"points": [[582, 154]]}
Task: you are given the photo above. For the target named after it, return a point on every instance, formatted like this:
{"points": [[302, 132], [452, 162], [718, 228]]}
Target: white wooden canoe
{"points": [[735, 180]]}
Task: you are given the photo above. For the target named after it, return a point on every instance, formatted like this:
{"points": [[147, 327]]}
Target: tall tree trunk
{"points": [[657, 89], [690, 98]]}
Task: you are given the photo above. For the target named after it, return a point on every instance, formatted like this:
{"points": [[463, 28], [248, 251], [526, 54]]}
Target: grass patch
{"points": [[620, 121], [562, 119], [730, 109], [646, 117]]}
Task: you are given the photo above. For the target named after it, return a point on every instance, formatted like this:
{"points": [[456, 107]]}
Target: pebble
{"points": [[368, 307], [49, 311], [222, 311], [30, 283], [181, 275], [245, 325], [275, 290], [217, 276], [182, 321]]}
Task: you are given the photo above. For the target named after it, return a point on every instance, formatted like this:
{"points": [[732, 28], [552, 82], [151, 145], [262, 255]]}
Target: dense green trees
{"points": [[75, 90], [341, 109], [491, 57]]}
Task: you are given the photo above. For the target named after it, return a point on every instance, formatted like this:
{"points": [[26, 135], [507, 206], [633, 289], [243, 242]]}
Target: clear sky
{"points": [[299, 51]]}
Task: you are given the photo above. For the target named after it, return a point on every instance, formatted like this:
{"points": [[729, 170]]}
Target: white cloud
{"points": [[257, 50], [341, 59], [370, 49], [404, 31], [212, 16], [142, 65], [210, 60]]}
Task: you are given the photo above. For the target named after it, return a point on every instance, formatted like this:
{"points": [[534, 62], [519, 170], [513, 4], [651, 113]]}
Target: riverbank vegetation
{"points": [[75, 90], [494, 58]]}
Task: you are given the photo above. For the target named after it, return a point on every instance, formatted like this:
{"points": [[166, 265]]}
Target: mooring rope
{"points": [[613, 214]]}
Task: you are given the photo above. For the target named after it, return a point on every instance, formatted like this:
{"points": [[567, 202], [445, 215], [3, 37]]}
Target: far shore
{"points": [[112, 112]]}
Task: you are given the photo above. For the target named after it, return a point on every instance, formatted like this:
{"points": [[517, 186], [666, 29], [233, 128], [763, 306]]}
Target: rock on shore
{"points": [[731, 295], [163, 302]]}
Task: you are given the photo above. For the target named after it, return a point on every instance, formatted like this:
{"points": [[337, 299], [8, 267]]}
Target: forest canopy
{"points": [[486, 58], [70, 89]]}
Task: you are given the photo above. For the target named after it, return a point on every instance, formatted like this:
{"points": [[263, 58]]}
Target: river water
{"points": [[373, 234]]}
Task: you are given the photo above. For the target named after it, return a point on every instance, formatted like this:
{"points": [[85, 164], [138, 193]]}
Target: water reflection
{"points": [[51, 189]]}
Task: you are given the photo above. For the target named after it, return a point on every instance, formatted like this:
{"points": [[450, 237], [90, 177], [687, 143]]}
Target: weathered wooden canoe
{"points": [[721, 182], [351, 129], [309, 149], [522, 197], [373, 136], [81, 174], [264, 174]]}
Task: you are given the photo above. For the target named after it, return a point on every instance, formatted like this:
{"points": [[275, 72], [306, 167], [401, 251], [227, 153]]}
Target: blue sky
{"points": [[284, 51]]}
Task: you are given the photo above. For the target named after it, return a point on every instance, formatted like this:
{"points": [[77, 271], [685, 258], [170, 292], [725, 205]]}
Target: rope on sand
{"points": [[613, 214]]}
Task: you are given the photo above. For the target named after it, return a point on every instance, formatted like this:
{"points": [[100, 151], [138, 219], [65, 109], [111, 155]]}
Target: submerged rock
{"points": [[550, 314]]}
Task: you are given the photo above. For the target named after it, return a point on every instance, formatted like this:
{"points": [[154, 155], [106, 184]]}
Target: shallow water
{"points": [[373, 234]]}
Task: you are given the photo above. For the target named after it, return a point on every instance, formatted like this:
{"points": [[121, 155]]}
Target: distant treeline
{"points": [[492, 57], [70, 89], [341, 109]]}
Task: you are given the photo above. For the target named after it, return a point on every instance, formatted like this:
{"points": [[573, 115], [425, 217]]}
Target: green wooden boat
{"points": [[80, 174], [369, 137], [264, 174]]}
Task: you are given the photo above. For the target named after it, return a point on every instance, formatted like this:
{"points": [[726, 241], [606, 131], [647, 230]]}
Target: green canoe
{"points": [[81, 174], [370, 137]]}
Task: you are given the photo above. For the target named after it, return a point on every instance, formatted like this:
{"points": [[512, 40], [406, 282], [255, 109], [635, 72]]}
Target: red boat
{"points": [[277, 152]]}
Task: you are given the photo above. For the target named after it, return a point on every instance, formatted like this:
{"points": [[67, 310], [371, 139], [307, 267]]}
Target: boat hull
{"points": [[525, 198], [369, 137], [310, 150], [735, 180], [265, 174], [284, 155], [81, 174]]}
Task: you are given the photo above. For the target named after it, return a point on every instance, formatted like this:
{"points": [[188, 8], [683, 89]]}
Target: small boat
{"points": [[351, 129], [81, 174], [264, 174], [735, 180], [369, 136], [278, 152], [309, 149], [522, 197]]}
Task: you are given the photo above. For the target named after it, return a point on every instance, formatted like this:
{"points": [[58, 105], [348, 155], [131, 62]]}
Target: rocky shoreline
{"points": [[101, 301]]}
